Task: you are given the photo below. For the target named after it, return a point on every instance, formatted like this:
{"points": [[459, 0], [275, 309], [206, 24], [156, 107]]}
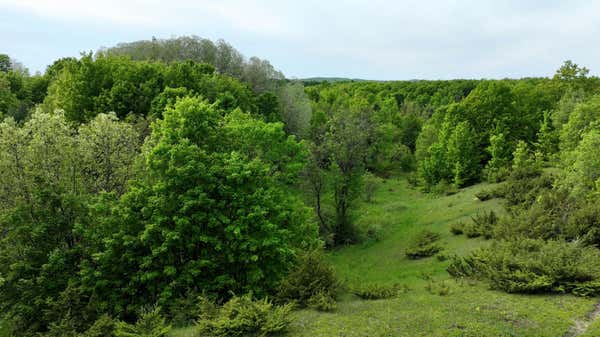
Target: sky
{"points": [[369, 39]]}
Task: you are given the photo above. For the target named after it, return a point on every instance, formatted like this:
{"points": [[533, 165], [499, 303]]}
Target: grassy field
{"points": [[467, 309]]}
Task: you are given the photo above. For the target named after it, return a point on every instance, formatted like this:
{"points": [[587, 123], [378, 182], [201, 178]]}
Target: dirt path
{"points": [[580, 326]]}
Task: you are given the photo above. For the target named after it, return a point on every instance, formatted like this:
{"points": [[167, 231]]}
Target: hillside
{"points": [[431, 303]]}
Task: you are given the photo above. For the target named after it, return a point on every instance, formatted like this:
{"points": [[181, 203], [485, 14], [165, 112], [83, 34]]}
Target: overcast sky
{"points": [[372, 39]]}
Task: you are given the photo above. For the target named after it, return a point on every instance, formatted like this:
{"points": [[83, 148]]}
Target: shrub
{"points": [[424, 245], [457, 228], [522, 188], [584, 223], [103, 327], [183, 311], [322, 301], [534, 266], [311, 277], [487, 194], [442, 257], [377, 291], [149, 324], [244, 316], [440, 288], [484, 222]]}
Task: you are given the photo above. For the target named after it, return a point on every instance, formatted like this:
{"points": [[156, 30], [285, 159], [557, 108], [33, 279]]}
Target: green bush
{"points": [[484, 222], [584, 223], [243, 316], [457, 228], [534, 266], [103, 327], [425, 245], [523, 187], [149, 324], [185, 310], [487, 194], [322, 301], [312, 276], [377, 291]]}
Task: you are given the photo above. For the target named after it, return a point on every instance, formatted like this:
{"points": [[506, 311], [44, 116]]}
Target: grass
{"points": [[463, 309]]}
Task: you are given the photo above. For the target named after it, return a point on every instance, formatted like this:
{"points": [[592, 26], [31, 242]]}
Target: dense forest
{"points": [[170, 183]]}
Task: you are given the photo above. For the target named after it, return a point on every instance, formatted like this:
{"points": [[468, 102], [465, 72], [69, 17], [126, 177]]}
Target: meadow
{"points": [[431, 302]]}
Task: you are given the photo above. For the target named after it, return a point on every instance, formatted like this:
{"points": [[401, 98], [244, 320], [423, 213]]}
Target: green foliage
{"points": [[339, 151], [102, 327], [534, 266], [424, 245], [457, 228], [378, 292], [310, 282], [166, 98], [5, 63], [149, 324], [462, 154], [322, 301], [523, 160], [243, 316], [573, 75], [108, 149], [547, 138], [501, 155], [211, 214], [487, 194], [93, 85], [522, 187], [582, 177], [483, 224]]}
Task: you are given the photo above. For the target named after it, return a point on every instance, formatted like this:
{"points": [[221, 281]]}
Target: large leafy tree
{"points": [[49, 175], [212, 214]]}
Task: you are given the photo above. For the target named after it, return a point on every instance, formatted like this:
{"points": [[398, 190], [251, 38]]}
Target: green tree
{"points": [[41, 204], [500, 151], [547, 138], [108, 149], [580, 121], [346, 143], [523, 159], [462, 155], [582, 177], [5, 63], [296, 109], [207, 218]]}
